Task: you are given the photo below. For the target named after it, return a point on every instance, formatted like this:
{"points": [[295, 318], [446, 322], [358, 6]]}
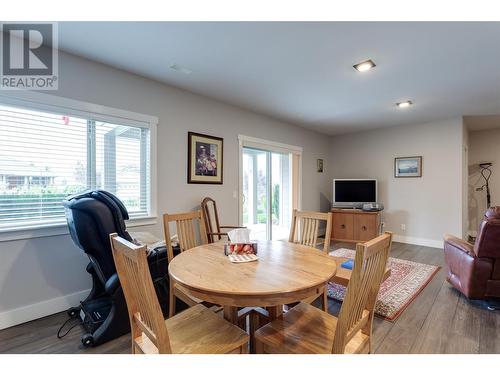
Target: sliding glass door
{"points": [[267, 193]]}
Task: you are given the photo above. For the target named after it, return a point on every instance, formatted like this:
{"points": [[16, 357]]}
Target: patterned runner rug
{"points": [[406, 281]]}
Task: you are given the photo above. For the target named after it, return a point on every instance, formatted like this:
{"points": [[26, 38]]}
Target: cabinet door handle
{"points": [[342, 226], [363, 227]]}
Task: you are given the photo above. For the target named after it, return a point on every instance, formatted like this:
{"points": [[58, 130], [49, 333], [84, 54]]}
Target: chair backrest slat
{"points": [[142, 303], [211, 216], [356, 313], [186, 224], [305, 228]]}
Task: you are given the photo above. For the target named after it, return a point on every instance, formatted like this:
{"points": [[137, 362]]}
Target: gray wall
{"points": [[429, 206], [42, 269], [484, 146]]}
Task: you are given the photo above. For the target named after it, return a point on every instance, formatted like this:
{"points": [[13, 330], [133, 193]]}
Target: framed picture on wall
{"points": [[205, 163], [319, 165], [410, 166]]}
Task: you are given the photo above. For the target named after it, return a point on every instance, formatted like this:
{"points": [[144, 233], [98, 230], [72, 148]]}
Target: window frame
{"points": [[64, 106]]}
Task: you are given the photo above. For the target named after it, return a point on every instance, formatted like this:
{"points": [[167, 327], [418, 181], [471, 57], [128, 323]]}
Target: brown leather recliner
{"points": [[475, 269]]}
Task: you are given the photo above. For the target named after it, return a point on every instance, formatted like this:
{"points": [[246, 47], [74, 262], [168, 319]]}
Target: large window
{"points": [[269, 186], [46, 156]]}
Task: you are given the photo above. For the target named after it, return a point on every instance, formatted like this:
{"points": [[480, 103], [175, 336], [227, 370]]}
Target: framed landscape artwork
{"points": [[410, 166], [205, 164]]}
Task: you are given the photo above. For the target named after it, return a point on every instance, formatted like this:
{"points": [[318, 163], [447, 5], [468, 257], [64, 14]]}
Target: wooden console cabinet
{"points": [[352, 225]]}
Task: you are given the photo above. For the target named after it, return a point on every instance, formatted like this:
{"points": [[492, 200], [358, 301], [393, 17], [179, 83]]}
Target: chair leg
{"points": [[242, 323], [259, 347], [252, 327], [325, 302], [274, 312], [231, 314], [171, 301], [244, 348]]}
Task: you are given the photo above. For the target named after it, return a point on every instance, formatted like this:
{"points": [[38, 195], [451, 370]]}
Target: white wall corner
{"points": [[41, 309]]}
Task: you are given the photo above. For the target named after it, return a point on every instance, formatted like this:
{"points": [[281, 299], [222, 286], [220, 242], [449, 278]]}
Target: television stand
{"points": [[355, 225]]}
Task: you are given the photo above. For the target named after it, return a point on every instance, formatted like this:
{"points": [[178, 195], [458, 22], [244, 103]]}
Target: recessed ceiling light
{"points": [[404, 104], [364, 66], [180, 69]]}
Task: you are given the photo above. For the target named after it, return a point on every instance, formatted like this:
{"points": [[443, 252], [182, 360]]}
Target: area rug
{"points": [[406, 281]]}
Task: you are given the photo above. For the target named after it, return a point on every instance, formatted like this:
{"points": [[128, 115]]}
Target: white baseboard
{"points": [[418, 241], [39, 310]]}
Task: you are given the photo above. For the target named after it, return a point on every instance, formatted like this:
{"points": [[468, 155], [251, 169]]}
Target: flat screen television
{"points": [[353, 193]]}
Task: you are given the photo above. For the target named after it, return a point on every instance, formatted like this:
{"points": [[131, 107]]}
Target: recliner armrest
{"points": [[458, 243], [112, 284]]}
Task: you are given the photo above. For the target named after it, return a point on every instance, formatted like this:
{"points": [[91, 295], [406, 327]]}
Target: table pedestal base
{"points": [[257, 317]]}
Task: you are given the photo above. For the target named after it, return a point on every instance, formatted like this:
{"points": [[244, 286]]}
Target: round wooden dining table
{"points": [[284, 273]]}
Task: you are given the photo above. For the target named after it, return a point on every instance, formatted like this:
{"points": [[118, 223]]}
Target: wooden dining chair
{"points": [[306, 329], [195, 330], [305, 228], [214, 230], [187, 224], [305, 231]]}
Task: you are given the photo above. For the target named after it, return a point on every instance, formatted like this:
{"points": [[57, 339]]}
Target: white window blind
{"points": [[45, 157]]}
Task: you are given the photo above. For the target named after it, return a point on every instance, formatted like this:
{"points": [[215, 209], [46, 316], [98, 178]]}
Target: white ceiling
{"points": [[302, 72]]}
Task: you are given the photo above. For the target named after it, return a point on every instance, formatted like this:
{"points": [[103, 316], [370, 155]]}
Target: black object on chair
{"points": [[92, 216]]}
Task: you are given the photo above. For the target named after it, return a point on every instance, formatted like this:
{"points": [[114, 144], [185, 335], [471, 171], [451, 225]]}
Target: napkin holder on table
{"points": [[240, 243], [240, 248]]}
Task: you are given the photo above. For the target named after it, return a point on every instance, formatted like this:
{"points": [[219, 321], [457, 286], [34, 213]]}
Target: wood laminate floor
{"points": [[439, 320]]}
